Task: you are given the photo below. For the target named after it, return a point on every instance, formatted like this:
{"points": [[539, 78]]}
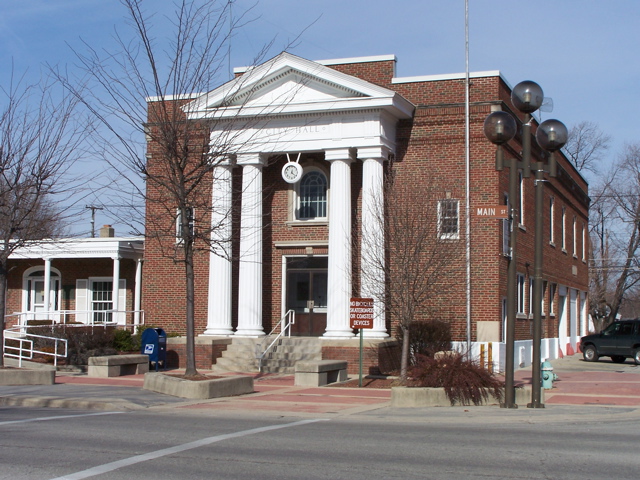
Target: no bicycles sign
{"points": [[361, 313]]}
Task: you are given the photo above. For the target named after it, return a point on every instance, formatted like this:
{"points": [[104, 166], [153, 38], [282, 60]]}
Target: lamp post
{"points": [[499, 128], [551, 135], [527, 97]]}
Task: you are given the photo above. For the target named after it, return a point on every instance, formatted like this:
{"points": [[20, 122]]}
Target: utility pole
{"points": [[93, 218]]}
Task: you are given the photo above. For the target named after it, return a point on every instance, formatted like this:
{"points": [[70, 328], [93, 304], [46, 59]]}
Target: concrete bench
{"points": [[316, 373], [118, 365]]}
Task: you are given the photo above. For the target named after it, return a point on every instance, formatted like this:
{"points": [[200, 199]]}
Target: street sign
{"points": [[492, 211], [361, 313]]}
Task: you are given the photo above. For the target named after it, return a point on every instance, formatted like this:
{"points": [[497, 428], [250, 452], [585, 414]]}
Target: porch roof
{"points": [[104, 247]]}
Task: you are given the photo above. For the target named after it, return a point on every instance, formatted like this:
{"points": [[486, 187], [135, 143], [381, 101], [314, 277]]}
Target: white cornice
{"points": [[446, 76]]}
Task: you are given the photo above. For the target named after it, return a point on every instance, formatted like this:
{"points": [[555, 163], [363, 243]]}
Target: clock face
{"points": [[291, 172]]}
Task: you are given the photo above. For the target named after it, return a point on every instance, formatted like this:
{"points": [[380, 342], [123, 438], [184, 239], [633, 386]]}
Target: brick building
{"points": [[311, 144]]}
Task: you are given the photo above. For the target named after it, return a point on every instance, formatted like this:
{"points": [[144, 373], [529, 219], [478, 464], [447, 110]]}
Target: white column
{"points": [[137, 301], [47, 286], [372, 254], [339, 275], [116, 289], [219, 306], [250, 278]]}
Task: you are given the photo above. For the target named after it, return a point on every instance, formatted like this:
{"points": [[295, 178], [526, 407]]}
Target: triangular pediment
{"points": [[290, 84]]}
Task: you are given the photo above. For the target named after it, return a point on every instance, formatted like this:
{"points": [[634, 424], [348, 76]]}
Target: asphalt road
{"points": [[436, 443]]}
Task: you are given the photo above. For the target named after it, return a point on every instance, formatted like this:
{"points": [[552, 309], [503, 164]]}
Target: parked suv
{"points": [[620, 340]]}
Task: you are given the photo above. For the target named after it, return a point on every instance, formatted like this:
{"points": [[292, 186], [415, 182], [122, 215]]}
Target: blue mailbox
{"points": [[154, 344]]}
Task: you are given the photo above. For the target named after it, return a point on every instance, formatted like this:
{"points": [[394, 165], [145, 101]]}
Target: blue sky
{"points": [[584, 53]]}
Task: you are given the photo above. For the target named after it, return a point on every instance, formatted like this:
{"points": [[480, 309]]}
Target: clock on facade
{"points": [[291, 172]]}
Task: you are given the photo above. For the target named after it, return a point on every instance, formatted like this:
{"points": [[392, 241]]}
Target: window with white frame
{"points": [[530, 296], [312, 197], [102, 301], [448, 219], [521, 212], [551, 220], [190, 220], [521, 294], [575, 236], [563, 234], [545, 286], [584, 242], [552, 298]]}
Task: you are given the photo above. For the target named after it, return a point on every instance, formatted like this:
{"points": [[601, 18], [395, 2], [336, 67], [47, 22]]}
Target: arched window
{"points": [[312, 196]]}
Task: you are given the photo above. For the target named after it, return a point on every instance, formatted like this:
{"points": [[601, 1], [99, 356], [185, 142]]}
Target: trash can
{"points": [[154, 344]]}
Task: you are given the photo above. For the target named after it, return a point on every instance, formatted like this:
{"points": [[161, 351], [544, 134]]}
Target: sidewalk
{"points": [[272, 392], [579, 383]]}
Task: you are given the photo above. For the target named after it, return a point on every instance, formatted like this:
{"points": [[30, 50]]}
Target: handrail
{"points": [[58, 317], [285, 323], [27, 353]]}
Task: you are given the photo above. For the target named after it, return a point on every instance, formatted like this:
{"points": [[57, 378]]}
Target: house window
{"points": [[190, 219], [102, 301], [552, 298], [551, 222], [312, 196], [521, 292], [584, 242], [448, 219]]}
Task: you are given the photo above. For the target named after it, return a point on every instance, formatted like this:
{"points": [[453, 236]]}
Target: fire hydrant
{"points": [[547, 375]]}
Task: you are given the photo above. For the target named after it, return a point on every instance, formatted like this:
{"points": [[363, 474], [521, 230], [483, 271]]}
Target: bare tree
{"points": [[140, 94], [41, 134], [586, 146], [423, 254], [615, 265]]}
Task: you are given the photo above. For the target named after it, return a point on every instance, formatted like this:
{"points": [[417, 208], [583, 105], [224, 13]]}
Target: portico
{"points": [[292, 106]]}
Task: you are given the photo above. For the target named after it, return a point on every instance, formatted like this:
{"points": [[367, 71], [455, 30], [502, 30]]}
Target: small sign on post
{"points": [[361, 317]]}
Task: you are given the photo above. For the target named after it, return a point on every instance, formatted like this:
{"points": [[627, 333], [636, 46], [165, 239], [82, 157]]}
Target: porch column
{"points": [[137, 302], [339, 274], [372, 253], [116, 290], [47, 287], [219, 307], [250, 275]]}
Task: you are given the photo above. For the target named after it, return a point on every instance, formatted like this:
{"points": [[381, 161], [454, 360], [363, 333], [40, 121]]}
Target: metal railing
{"points": [[19, 343], [284, 325], [79, 317], [29, 344]]}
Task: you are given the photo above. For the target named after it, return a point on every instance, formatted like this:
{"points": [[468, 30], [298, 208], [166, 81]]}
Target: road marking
{"points": [[44, 419], [126, 462]]}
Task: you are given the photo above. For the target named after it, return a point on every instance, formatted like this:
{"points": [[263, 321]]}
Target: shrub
{"points": [[124, 341], [463, 380], [82, 342], [427, 338]]}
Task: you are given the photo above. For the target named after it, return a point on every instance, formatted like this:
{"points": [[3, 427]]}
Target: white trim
{"points": [[338, 61], [447, 76]]}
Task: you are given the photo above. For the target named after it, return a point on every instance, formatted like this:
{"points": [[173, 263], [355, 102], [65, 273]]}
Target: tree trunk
{"points": [[190, 290], [3, 306], [404, 359]]}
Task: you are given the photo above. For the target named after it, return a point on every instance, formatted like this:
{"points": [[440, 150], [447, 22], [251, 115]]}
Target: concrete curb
{"points": [[23, 376], [58, 402], [414, 397]]}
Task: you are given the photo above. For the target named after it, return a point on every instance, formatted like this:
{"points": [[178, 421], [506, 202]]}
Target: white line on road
{"points": [[44, 419], [109, 467]]}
